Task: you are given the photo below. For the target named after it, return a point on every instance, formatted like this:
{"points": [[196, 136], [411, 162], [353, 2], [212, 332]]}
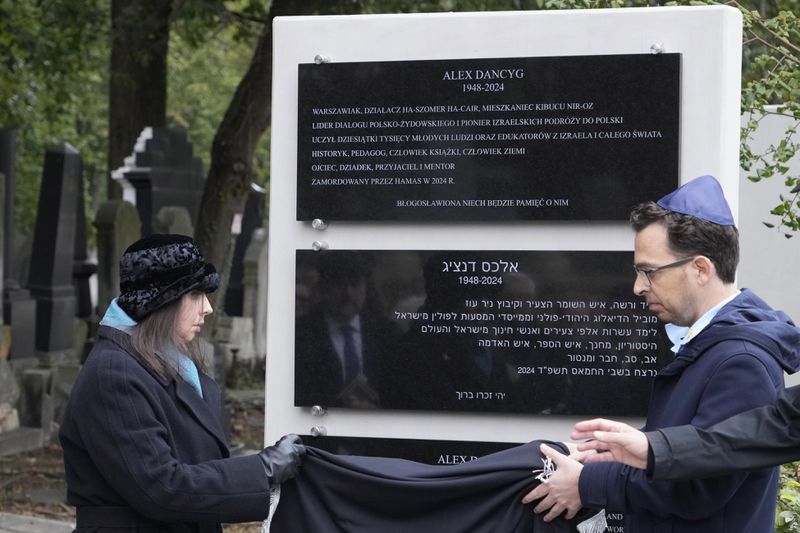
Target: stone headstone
{"points": [[82, 268], [9, 418], [81, 342], [18, 308], [255, 290], [118, 226], [2, 251], [5, 341], [50, 277], [173, 219], [252, 218], [21, 262], [36, 401], [236, 336], [219, 375], [20, 316], [9, 395], [8, 143], [162, 171], [9, 389]]}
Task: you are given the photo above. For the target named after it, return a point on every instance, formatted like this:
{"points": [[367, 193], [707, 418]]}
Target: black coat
{"points": [[149, 455], [761, 437]]}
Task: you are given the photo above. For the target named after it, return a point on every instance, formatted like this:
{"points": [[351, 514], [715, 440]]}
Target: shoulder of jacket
{"points": [[737, 350], [109, 355], [732, 360]]}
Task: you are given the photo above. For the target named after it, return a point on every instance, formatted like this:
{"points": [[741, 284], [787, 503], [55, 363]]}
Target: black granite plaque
{"points": [[550, 138], [551, 332]]}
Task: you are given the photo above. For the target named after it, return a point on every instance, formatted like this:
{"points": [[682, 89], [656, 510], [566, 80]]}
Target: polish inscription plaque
{"points": [[546, 138], [551, 332]]}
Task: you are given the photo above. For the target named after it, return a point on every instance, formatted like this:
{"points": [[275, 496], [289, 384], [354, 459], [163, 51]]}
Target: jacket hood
{"points": [[747, 317]]}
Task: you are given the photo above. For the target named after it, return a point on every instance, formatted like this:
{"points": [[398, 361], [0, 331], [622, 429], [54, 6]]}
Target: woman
{"points": [[144, 449]]}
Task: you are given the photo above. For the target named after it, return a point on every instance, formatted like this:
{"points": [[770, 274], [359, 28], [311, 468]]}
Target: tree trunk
{"points": [[248, 116], [231, 170], [138, 76]]}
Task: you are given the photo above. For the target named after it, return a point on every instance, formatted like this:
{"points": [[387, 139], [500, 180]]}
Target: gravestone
{"points": [[17, 332], [5, 332], [252, 218], [2, 254], [118, 226], [5, 341], [9, 394], [161, 171], [234, 336], [20, 316], [19, 308], [8, 141], [36, 402], [82, 268], [50, 277], [174, 220], [255, 290]]}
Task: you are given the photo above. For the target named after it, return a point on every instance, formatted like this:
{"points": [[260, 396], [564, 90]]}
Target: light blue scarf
{"points": [[186, 367], [116, 318], [680, 335]]}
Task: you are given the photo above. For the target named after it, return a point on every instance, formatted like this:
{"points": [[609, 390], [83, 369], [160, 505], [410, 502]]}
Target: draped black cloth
{"points": [[356, 494]]}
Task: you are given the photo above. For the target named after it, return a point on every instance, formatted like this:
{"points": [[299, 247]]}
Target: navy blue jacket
{"points": [[736, 363], [147, 454]]}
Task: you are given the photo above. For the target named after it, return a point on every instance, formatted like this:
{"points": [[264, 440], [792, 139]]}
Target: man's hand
{"points": [[614, 441], [576, 453], [560, 492]]}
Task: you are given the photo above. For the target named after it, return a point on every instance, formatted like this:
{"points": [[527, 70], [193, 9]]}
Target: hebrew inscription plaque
{"points": [[552, 332]]}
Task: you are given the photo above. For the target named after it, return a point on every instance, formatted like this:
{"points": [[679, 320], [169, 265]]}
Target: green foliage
{"points": [[201, 82], [54, 71], [431, 6], [787, 519], [53, 57], [773, 79], [197, 20], [598, 4], [54, 53]]}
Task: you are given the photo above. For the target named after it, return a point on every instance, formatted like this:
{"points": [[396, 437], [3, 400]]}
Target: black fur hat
{"points": [[158, 270]]}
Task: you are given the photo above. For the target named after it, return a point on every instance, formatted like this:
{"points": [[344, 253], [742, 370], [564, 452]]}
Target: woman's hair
{"points": [[157, 333]]}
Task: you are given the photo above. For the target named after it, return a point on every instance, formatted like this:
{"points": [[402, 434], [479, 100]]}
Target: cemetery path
{"points": [[32, 483]]}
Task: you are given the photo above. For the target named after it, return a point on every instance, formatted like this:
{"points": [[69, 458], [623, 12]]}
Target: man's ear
{"points": [[704, 268]]}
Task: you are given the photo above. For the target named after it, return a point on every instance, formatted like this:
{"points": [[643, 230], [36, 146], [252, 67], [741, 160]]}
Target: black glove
{"points": [[282, 460]]}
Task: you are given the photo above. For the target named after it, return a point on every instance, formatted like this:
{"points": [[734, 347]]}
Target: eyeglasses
{"points": [[647, 273]]}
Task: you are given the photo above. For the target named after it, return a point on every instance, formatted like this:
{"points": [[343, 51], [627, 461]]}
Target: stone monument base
{"points": [[20, 440]]}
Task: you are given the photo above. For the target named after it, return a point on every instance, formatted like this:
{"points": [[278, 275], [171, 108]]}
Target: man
{"points": [[730, 357], [765, 436], [342, 347]]}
